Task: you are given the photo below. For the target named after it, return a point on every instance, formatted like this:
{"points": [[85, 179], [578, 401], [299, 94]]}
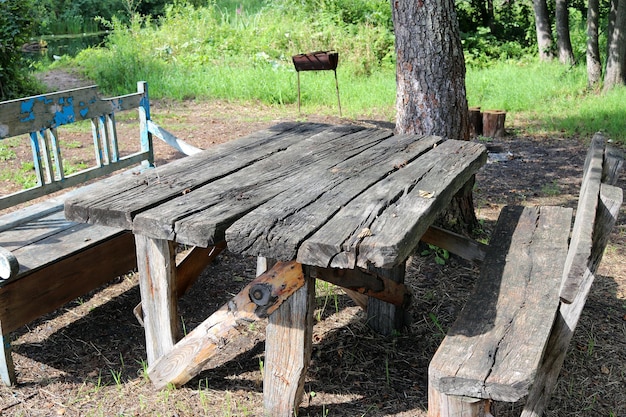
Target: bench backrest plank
{"points": [[601, 165], [41, 116], [609, 202]]}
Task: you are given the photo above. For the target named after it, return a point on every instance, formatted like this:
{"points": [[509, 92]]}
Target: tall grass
{"points": [[234, 52]]}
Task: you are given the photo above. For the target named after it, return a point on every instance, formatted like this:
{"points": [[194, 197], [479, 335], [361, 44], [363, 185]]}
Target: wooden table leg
{"points": [[288, 344], [156, 263], [385, 318]]}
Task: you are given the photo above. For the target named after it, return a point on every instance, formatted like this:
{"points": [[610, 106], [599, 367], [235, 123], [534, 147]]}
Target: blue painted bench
{"points": [[46, 260]]}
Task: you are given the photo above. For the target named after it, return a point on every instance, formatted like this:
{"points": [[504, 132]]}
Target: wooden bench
{"points": [[46, 260], [510, 340]]}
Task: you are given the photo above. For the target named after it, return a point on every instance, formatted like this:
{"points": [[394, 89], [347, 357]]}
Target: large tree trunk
{"points": [[430, 78], [430, 73], [616, 59], [544, 32], [594, 67], [563, 41]]}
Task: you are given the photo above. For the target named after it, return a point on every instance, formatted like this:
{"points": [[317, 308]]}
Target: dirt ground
{"points": [[88, 358]]}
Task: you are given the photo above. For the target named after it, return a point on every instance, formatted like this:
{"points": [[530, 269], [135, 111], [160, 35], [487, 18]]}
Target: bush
{"points": [[16, 28]]}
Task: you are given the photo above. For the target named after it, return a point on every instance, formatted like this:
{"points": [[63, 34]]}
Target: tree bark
{"points": [[563, 41], [430, 80], [616, 59], [430, 72], [594, 67], [544, 32]]}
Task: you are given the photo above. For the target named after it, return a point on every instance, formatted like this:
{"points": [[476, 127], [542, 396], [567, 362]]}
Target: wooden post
{"points": [[493, 123], [442, 405], [383, 317], [288, 345], [156, 261], [7, 370], [188, 270]]}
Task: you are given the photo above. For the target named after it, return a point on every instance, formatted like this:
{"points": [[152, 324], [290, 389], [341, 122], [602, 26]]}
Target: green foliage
{"points": [[16, 26]]}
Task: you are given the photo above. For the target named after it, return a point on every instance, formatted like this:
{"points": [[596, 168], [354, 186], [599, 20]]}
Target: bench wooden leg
{"points": [[442, 405], [7, 370], [156, 263], [288, 344], [385, 318]]}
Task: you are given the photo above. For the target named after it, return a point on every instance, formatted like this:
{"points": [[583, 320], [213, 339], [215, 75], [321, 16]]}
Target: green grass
{"points": [[216, 53]]}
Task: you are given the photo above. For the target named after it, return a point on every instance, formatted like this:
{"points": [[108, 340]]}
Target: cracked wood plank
{"points": [[117, 205], [279, 226], [382, 227], [201, 217], [515, 295]]}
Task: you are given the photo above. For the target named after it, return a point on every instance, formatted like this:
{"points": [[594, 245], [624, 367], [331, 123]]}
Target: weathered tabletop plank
{"points": [[117, 205], [279, 226], [319, 192], [200, 218], [383, 225]]}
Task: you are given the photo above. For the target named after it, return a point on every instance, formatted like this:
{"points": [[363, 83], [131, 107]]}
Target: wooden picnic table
{"points": [[344, 203]]}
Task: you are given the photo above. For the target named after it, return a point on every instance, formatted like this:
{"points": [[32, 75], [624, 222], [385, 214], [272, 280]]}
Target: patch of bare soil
{"points": [[88, 358]]}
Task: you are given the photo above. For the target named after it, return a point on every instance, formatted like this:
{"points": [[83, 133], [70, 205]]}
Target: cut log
{"points": [[257, 300], [288, 345], [493, 123], [476, 122]]}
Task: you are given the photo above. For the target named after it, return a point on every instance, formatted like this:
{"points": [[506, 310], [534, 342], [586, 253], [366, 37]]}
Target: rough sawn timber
{"points": [[516, 295], [187, 358], [368, 230], [117, 209], [295, 214]]}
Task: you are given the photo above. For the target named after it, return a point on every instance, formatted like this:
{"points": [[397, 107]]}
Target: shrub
{"points": [[16, 28]]}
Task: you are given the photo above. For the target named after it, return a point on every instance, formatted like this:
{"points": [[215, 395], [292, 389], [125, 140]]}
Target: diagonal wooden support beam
{"points": [[256, 301]]}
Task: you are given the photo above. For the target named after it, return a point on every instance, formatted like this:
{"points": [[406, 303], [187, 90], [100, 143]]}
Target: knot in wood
{"points": [[261, 294]]}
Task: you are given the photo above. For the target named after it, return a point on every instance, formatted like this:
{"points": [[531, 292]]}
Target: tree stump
{"points": [[476, 122], [493, 123]]}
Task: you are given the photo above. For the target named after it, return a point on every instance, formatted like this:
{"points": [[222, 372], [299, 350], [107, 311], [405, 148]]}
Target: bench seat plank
{"points": [[516, 295]]}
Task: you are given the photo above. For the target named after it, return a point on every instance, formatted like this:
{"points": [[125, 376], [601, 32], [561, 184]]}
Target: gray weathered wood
{"points": [[118, 205], [516, 296], [158, 294], [288, 347], [611, 199], [384, 317], [367, 283], [283, 223], [201, 217], [187, 358], [581, 241], [454, 243], [368, 230], [7, 369]]}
